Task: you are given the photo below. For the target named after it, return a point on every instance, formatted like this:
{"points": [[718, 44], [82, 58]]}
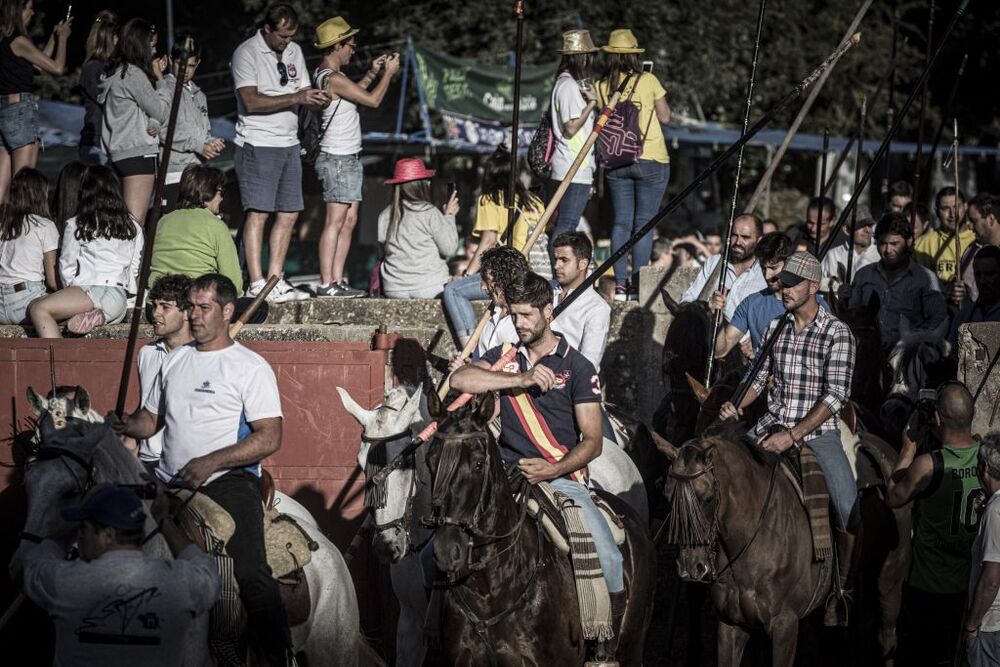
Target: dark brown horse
{"points": [[511, 598]]}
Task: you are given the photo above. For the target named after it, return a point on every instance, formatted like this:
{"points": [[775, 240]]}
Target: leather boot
{"points": [[605, 655], [840, 598]]}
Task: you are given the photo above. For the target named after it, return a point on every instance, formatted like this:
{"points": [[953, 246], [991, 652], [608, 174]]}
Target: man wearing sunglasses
{"points": [[271, 81]]}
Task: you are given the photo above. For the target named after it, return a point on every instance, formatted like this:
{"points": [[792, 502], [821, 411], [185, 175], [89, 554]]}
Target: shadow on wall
{"points": [[630, 367]]}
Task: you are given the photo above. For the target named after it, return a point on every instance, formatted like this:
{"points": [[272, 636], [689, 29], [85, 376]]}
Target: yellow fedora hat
{"points": [[577, 41], [331, 31], [622, 41]]}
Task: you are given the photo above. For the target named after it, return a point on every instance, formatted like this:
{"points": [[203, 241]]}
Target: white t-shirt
{"points": [[567, 104], [584, 324], [498, 330], [121, 608], [100, 261], [21, 259], [150, 361], [208, 400], [255, 64], [987, 548], [343, 132]]}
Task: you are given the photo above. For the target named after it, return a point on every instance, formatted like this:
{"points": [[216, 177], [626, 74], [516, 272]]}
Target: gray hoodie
{"points": [[193, 127], [131, 106]]}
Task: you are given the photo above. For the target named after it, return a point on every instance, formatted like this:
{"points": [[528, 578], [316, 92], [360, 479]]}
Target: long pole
{"points": [[948, 113], [923, 120], [958, 219], [727, 239], [882, 151], [891, 109], [821, 186], [765, 180], [862, 115], [550, 209], [720, 160], [150, 231], [515, 124], [842, 156]]}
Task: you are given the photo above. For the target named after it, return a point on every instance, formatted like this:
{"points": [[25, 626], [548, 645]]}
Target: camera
{"points": [[924, 422]]}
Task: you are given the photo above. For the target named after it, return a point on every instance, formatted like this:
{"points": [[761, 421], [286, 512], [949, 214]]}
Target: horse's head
{"points": [[386, 434], [693, 491], [64, 406], [467, 478]]}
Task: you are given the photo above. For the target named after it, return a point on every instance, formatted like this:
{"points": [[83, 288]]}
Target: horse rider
{"points": [[550, 415], [742, 276], [219, 406], [113, 605], [810, 369]]}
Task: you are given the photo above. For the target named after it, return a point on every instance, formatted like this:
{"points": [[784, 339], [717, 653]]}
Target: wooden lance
{"points": [[516, 120], [862, 115]]}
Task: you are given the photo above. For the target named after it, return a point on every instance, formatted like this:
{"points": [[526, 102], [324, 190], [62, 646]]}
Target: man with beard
{"points": [[755, 313], [550, 415], [585, 323], [906, 290], [810, 370], [984, 213], [986, 308], [742, 276], [865, 253], [803, 235]]}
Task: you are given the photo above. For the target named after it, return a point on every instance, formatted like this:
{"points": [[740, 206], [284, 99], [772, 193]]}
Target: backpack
{"points": [[620, 142], [312, 129], [541, 146]]}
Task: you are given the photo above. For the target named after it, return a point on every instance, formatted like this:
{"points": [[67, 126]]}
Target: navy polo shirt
{"points": [[543, 425]]}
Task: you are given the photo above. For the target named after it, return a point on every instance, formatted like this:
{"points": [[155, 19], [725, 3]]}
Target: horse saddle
{"points": [[543, 506]]}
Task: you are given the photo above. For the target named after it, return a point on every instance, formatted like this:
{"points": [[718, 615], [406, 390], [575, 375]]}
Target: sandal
{"points": [[84, 323]]}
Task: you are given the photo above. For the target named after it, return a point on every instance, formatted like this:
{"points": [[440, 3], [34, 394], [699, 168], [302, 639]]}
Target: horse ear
{"points": [[37, 402], [363, 416], [82, 400], [434, 407], [664, 445], [485, 406], [700, 392]]}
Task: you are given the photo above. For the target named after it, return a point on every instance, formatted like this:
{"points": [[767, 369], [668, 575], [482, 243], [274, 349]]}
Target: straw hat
{"points": [[622, 41], [409, 169], [332, 31], [577, 41]]}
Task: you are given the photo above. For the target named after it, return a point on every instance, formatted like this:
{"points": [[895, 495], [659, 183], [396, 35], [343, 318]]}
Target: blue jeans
{"points": [[636, 192], [457, 307], [14, 305], [19, 123], [607, 551], [342, 177], [570, 209]]}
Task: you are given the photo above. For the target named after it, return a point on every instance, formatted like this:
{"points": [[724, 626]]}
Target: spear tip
{"points": [[856, 38]]}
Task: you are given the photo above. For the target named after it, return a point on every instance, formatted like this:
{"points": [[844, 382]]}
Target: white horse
{"points": [[398, 534], [330, 636]]}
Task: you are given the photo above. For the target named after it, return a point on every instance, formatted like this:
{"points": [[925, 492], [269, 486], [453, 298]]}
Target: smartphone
{"points": [[451, 189], [647, 66], [69, 12]]}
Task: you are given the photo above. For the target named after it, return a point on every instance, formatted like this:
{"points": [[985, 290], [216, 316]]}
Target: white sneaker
{"points": [[283, 292]]}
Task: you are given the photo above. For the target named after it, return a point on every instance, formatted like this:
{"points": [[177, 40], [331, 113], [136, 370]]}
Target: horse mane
{"points": [[735, 433]]}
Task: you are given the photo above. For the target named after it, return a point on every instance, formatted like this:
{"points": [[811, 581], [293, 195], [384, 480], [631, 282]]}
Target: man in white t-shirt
{"points": [[169, 303], [218, 405], [584, 324], [982, 624], [271, 81], [572, 109]]}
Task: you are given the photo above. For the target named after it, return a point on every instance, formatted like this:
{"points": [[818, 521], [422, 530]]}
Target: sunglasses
{"points": [[283, 73]]}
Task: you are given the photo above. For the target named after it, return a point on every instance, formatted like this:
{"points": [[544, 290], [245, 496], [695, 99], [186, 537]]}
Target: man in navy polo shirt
{"points": [[550, 414]]}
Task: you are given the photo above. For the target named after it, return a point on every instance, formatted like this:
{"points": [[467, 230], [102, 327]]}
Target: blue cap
{"points": [[110, 506]]}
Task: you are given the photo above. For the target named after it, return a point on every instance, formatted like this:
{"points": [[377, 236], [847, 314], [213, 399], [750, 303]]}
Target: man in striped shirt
{"points": [[810, 366]]}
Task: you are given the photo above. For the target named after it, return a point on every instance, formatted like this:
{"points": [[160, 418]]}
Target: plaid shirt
{"points": [[810, 367]]}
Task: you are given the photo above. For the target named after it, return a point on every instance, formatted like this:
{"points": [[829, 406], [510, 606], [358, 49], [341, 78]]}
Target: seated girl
{"points": [[29, 242]]}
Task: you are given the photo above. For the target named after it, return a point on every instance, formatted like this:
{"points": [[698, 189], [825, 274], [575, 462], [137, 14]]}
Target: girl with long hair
{"points": [[66, 197], [20, 61], [416, 237], [134, 112], [338, 166], [29, 242], [100, 45], [491, 229], [101, 251], [637, 189]]}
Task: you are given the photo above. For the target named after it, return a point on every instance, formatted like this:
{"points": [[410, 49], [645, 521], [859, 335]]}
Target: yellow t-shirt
{"points": [[936, 251], [647, 91], [492, 217]]}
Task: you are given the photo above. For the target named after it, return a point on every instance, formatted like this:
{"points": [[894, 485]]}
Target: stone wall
{"points": [[979, 357]]}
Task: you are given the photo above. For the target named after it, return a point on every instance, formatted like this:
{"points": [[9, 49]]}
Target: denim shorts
{"points": [[14, 305], [342, 177], [110, 299], [19, 122], [270, 178]]}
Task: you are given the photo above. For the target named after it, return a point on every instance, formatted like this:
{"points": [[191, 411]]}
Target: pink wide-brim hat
{"points": [[409, 169]]}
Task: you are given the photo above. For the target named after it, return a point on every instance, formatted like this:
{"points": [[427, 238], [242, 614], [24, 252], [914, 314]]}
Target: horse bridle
{"points": [[370, 490], [61, 453]]}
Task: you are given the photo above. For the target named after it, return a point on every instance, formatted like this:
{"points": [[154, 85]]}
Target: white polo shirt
{"points": [[255, 64], [150, 360], [584, 324]]}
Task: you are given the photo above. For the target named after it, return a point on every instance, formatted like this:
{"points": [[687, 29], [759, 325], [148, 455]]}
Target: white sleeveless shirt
{"points": [[343, 133]]}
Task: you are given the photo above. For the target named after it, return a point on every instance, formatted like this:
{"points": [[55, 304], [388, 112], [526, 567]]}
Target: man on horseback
{"points": [[810, 370], [219, 406], [742, 276], [550, 414]]}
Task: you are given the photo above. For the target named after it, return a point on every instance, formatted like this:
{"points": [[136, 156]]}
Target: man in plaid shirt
{"points": [[811, 366]]}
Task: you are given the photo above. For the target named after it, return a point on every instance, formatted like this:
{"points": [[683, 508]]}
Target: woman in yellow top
{"points": [[636, 190], [491, 230]]}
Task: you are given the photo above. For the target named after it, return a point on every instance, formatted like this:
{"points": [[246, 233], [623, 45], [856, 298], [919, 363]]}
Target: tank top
{"points": [[945, 522], [17, 75], [343, 133]]}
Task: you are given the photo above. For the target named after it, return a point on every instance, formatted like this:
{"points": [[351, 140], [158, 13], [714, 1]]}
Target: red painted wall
{"points": [[317, 462]]}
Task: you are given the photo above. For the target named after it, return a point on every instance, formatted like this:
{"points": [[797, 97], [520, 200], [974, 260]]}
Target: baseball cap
{"points": [[800, 266], [865, 218], [109, 506]]}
